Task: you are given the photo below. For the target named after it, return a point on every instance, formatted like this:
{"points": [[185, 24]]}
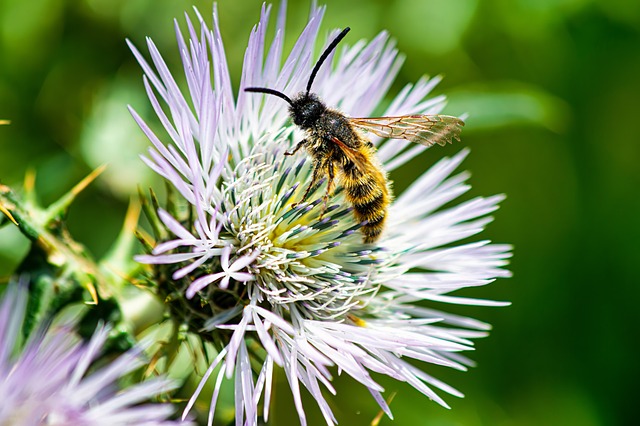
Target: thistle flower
{"points": [[247, 270], [46, 382]]}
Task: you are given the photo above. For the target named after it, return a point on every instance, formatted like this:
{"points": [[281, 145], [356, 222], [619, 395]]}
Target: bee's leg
{"points": [[318, 171], [299, 145], [330, 169]]}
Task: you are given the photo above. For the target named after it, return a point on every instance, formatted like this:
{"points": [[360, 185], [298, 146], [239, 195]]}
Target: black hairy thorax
{"points": [[309, 113]]}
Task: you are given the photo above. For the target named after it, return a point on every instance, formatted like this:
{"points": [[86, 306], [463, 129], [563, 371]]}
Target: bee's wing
{"points": [[354, 155], [426, 130]]}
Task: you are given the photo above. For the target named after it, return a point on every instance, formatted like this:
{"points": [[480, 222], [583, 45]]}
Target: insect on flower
{"points": [[335, 145]]}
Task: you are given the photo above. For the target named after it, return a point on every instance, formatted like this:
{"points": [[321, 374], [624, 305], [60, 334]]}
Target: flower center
{"points": [[310, 255]]}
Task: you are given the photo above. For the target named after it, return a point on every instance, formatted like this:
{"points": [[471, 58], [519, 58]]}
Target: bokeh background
{"points": [[552, 88]]}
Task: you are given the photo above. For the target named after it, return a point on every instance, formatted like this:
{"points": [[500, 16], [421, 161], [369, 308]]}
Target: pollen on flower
{"points": [[308, 255]]}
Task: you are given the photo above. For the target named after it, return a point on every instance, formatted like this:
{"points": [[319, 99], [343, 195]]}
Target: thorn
{"points": [[145, 239], [142, 285], [60, 206], [118, 257], [148, 207], [29, 189], [154, 200], [87, 180], [4, 210], [132, 215], [5, 122], [29, 184], [151, 368], [94, 294]]}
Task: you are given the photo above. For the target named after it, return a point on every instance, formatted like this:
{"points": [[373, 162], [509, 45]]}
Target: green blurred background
{"points": [[552, 90]]}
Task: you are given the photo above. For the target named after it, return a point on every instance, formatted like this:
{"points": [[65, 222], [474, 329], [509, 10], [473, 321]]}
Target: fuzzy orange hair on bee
{"points": [[340, 152]]}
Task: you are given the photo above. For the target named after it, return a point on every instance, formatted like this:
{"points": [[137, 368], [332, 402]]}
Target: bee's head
{"points": [[306, 109]]}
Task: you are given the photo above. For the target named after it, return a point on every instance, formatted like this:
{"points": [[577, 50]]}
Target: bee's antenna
{"points": [[324, 56], [269, 92]]}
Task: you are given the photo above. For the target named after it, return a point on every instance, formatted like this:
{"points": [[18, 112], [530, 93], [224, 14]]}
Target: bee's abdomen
{"points": [[369, 195]]}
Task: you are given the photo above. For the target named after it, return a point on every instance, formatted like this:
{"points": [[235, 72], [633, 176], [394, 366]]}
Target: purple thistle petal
{"points": [[224, 258], [243, 262], [202, 282], [203, 381]]}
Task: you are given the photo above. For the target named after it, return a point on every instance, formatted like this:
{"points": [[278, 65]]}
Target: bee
{"points": [[339, 151]]}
